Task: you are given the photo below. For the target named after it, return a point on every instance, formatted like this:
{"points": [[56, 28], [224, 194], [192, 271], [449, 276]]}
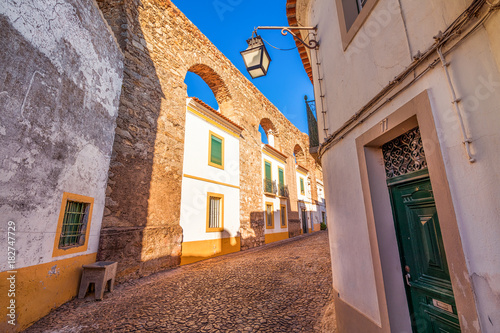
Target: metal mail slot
{"points": [[442, 305]]}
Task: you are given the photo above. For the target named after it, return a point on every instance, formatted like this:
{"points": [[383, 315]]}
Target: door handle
{"points": [[407, 277]]}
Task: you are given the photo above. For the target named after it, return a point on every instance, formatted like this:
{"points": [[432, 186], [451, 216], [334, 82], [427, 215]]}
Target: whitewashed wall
{"points": [[194, 192], [376, 55], [59, 92], [276, 201]]}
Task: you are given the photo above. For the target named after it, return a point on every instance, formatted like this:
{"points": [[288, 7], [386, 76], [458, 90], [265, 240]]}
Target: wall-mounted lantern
{"points": [[257, 58]]}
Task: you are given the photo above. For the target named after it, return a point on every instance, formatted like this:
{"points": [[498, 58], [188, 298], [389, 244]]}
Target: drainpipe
{"points": [[466, 140]]}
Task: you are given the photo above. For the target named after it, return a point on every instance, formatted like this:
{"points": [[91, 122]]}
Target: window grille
{"points": [[269, 216], [215, 220], [74, 224], [404, 154], [283, 216]]}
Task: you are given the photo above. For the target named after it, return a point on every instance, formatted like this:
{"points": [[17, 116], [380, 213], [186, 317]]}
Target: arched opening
{"points": [[268, 131], [299, 156], [217, 86], [196, 87], [263, 135]]}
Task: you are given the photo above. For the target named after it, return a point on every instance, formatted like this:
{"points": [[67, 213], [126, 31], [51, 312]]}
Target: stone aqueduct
{"points": [[141, 224]]}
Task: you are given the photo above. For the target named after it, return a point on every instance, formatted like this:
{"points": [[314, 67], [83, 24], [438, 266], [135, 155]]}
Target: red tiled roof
{"points": [[208, 107], [291, 14], [276, 151]]}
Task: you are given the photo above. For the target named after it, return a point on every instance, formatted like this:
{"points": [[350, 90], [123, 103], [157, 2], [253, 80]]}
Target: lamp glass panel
{"points": [[265, 61], [258, 72], [252, 57]]}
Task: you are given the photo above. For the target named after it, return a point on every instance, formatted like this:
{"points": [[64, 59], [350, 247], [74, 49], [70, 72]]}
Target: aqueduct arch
{"points": [[300, 157], [270, 131], [217, 85]]}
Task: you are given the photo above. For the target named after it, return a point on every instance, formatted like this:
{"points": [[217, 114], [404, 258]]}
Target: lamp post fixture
{"points": [[257, 58]]}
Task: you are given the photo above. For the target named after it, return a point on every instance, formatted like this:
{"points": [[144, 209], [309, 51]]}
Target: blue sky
{"points": [[228, 24]]}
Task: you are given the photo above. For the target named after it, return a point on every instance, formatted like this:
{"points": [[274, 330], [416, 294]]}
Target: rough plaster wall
{"points": [[474, 70], [474, 187], [60, 78], [160, 45]]}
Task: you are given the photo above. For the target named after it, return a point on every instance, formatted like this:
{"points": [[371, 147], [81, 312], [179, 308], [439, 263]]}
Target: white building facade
{"points": [[275, 196], [407, 94], [210, 201]]}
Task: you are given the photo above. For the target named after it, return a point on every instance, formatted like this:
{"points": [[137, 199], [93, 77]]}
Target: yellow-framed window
{"points": [[215, 212], [268, 177], [281, 182], [215, 150], [73, 225], [269, 215], [302, 187], [283, 216]]}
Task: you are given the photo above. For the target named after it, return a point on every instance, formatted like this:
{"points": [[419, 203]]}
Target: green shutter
{"points": [[302, 186], [216, 151], [281, 176], [268, 170]]}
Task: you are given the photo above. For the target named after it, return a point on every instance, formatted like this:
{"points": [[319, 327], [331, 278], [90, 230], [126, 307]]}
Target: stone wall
{"points": [[141, 225], [60, 81]]}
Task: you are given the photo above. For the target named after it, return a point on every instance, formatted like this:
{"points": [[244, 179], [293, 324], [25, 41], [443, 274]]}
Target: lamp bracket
{"points": [[313, 44]]}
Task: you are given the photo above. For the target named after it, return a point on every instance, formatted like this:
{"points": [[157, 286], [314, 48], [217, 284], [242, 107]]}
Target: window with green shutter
{"points": [[281, 176], [281, 186], [302, 189], [216, 151], [268, 177]]}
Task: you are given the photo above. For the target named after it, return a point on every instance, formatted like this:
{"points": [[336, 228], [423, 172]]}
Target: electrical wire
{"points": [[277, 48], [452, 31]]}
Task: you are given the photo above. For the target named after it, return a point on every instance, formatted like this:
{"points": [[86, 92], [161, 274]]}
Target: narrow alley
{"points": [[281, 287]]}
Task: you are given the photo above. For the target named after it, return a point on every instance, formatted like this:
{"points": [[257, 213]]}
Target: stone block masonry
{"points": [[141, 228]]}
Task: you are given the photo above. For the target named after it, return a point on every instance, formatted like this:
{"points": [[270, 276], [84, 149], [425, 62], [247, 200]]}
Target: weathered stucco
{"points": [[395, 32], [60, 78]]}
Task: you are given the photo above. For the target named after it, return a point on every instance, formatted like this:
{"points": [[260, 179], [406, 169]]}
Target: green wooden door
{"points": [[425, 270]]}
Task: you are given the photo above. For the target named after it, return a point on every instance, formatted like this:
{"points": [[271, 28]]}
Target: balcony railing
{"points": [[283, 190], [270, 186]]}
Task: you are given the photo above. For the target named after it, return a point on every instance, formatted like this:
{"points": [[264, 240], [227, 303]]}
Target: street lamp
{"points": [[257, 58]]}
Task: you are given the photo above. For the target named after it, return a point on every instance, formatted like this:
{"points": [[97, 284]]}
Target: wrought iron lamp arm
{"points": [[313, 44]]}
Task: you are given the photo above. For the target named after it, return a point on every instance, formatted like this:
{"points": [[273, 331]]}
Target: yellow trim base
{"points": [[200, 250], [310, 230], [41, 288], [269, 238]]}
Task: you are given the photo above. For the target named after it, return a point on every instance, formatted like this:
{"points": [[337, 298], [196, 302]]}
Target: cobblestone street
{"points": [[281, 287]]}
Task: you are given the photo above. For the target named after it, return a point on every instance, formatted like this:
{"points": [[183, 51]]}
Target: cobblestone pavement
{"points": [[281, 287]]}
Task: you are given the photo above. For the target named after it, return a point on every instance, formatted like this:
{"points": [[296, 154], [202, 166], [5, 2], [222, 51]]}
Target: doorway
{"points": [[304, 221], [429, 292]]}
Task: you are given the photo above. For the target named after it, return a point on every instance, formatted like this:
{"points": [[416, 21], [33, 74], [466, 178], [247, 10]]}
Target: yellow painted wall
{"points": [[199, 250], [41, 288], [269, 238]]}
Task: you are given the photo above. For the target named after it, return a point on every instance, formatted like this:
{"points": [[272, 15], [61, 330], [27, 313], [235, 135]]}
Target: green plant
{"points": [[323, 226]]}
